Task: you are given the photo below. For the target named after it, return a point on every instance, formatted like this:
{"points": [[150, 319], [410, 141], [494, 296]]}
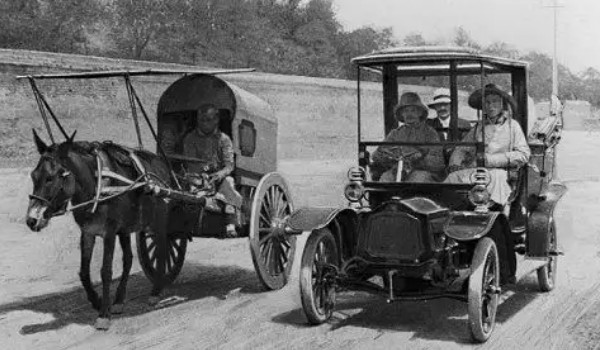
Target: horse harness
{"points": [[104, 175]]}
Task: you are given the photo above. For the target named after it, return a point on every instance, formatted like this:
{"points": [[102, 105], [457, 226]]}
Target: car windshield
{"points": [[414, 126]]}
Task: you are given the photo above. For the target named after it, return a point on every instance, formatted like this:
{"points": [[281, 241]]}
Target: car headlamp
{"points": [[479, 195], [356, 173], [354, 191]]}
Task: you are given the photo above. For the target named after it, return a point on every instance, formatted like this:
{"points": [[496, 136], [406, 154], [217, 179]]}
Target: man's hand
{"points": [[215, 178]]}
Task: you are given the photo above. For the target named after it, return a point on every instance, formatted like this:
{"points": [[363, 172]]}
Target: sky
{"points": [[525, 24]]}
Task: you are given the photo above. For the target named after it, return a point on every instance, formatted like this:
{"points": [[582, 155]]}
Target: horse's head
{"points": [[53, 183]]}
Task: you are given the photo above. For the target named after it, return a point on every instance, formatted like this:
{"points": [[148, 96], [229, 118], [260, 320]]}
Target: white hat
{"points": [[441, 95]]}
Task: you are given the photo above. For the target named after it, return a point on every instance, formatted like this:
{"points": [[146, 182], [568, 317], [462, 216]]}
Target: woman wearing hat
{"points": [[420, 163], [505, 144]]}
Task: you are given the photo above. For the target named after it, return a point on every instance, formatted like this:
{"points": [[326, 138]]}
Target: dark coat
{"points": [[463, 127]]}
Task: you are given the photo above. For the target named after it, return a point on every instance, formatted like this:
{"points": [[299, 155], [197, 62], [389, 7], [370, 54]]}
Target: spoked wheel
{"points": [[271, 247], [547, 273], [317, 276], [148, 254], [484, 287]]}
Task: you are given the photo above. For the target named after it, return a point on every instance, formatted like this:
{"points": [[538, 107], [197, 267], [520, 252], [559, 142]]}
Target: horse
{"points": [[66, 175]]}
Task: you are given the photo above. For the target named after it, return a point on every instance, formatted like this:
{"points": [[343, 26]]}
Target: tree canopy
{"points": [[279, 36]]}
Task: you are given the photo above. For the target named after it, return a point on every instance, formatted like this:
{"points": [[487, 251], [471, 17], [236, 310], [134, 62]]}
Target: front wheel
{"points": [[317, 276], [484, 287], [547, 273]]}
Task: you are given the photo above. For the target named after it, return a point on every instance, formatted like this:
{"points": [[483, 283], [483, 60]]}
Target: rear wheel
{"points": [[271, 247], [484, 287], [317, 276], [148, 254], [547, 273]]}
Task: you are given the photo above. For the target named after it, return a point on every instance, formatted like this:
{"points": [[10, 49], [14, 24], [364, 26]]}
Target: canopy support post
{"points": [[133, 111], [154, 134], [43, 106]]}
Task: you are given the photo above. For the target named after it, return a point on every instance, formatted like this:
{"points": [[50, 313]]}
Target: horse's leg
{"points": [[160, 228], [86, 246], [103, 320], [125, 241]]}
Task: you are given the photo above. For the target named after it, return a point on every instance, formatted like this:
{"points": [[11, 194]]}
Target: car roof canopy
{"points": [[435, 60]]}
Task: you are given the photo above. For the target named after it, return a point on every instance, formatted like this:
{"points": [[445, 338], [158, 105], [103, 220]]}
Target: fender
{"points": [[342, 221], [468, 225], [541, 210], [309, 219]]}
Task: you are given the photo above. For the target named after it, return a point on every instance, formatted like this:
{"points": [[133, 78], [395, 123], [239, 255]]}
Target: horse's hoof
{"points": [[117, 309], [102, 324], [153, 300]]}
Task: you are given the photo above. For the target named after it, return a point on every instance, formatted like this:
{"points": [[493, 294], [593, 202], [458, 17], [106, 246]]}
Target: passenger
{"points": [[214, 149], [420, 163], [441, 104], [505, 145]]}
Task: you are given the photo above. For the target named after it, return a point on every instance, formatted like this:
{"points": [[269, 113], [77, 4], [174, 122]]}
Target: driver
{"points": [[214, 149], [420, 163]]}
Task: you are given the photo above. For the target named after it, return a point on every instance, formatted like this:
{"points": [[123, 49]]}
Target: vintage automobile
{"points": [[424, 240]]}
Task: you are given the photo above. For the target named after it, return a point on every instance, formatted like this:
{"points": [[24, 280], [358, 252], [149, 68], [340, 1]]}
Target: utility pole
{"points": [[554, 97]]}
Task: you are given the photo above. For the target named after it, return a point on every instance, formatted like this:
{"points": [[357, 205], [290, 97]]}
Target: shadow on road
{"points": [[197, 282], [438, 320]]}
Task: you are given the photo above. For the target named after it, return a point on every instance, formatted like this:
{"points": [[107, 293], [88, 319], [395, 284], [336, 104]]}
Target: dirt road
{"points": [[217, 301]]}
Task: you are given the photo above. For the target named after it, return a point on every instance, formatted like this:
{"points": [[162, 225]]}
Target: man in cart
{"points": [[214, 151]]}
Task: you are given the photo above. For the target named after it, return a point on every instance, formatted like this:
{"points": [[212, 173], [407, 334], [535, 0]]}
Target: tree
{"points": [[414, 39], [137, 24], [58, 25], [463, 38]]}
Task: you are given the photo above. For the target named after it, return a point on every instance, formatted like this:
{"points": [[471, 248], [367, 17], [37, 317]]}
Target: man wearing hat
{"points": [[420, 163], [441, 104]]}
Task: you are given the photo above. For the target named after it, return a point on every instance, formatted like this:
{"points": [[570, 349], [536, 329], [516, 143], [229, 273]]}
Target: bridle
{"points": [[49, 202]]}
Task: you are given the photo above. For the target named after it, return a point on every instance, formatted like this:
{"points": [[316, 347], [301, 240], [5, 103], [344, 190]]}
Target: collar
{"points": [[445, 122], [499, 120]]}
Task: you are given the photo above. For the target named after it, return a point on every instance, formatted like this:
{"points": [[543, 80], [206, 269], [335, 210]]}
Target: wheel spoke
{"points": [[169, 266], [267, 253], [173, 253], [274, 204], [265, 219], [269, 234], [151, 245]]}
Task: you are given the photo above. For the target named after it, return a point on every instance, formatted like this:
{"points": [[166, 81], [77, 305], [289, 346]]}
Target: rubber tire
{"points": [[547, 273], [315, 314], [484, 250]]}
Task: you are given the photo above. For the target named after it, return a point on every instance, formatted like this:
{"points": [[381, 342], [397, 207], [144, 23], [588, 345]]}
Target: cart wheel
{"points": [[484, 287], [317, 276], [146, 242], [547, 273], [271, 247]]}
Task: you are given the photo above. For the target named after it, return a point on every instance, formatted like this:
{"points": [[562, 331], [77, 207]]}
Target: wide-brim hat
{"points": [[410, 99], [440, 96], [491, 89]]}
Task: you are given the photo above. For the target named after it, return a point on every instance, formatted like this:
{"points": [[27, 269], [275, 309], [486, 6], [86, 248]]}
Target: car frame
{"points": [[418, 241]]}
